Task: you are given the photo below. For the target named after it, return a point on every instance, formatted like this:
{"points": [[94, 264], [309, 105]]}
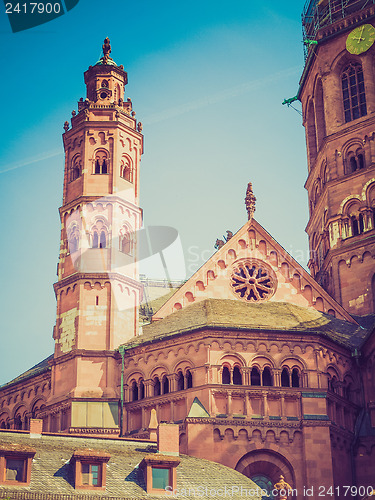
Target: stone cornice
{"points": [[106, 277], [103, 199], [244, 423]]}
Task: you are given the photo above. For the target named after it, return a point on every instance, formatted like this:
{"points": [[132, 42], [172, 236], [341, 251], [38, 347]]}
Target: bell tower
{"points": [[97, 291], [337, 91]]}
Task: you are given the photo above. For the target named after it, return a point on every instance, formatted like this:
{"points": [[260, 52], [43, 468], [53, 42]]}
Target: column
{"points": [[229, 403], [172, 410], [265, 404], [249, 409], [282, 402]]}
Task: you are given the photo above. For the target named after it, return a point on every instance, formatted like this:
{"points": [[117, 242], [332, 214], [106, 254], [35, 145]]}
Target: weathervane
{"points": [[250, 201], [106, 50]]}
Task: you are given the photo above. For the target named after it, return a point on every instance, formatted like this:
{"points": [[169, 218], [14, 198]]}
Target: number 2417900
{"points": [[32, 8], [345, 491]]}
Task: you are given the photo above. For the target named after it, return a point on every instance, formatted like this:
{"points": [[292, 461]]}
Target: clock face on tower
{"points": [[360, 39]]}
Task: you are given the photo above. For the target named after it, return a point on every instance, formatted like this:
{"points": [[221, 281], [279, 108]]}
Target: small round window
{"points": [[103, 95], [253, 280]]}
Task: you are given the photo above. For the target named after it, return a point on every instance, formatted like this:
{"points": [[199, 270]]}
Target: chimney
{"points": [[168, 439], [153, 425], [36, 427]]}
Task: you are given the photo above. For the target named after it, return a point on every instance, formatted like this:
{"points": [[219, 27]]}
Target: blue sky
{"points": [[206, 79]]}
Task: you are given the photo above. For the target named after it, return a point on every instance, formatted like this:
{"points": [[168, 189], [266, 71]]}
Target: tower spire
{"points": [[250, 201]]}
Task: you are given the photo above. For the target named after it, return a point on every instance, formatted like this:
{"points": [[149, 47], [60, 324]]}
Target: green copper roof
{"points": [[110, 62]]}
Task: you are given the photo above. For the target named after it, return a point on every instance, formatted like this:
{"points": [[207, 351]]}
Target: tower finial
{"points": [[250, 201], [106, 50]]}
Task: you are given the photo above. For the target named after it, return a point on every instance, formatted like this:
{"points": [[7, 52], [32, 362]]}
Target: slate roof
{"points": [[52, 473], [237, 315], [39, 368]]}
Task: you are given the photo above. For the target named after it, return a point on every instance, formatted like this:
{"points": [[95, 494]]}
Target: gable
{"points": [[252, 267]]}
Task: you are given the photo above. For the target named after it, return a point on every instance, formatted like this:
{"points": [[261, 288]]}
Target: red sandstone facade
{"points": [[266, 368]]}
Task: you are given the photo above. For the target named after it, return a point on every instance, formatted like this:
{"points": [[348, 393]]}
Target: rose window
{"points": [[253, 280]]}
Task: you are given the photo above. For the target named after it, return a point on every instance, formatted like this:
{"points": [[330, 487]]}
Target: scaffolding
{"points": [[319, 13]]}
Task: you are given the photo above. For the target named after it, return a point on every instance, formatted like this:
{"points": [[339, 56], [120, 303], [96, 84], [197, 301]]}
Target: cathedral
{"points": [[261, 366]]}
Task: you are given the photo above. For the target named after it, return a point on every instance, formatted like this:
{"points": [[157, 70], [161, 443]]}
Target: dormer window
{"points": [[90, 469], [15, 464], [160, 473], [91, 474]]}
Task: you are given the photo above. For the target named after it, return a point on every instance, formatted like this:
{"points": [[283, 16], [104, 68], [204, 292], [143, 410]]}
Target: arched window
{"points": [[333, 384], [18, 422], [75, 169], [319, 112], [101, 162], [360, 224], [267, 377], [295, 377], [126, 169], [373, 290], [99, 234], [353, 92], [355, 226], [255, 376], [95, 240], [134, 391], [105, 84], [353, 164], [361, 161], [73, 238], [126, 243], [311, 133], [141, 389], [237, 377], [226, 375], [103, 240], [180, 381], [165, 385], [189, 379], [354, 161], [285, 382], [156, 387]]}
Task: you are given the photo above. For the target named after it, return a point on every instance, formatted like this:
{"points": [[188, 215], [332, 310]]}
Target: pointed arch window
{"points": [[353, 92]]}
